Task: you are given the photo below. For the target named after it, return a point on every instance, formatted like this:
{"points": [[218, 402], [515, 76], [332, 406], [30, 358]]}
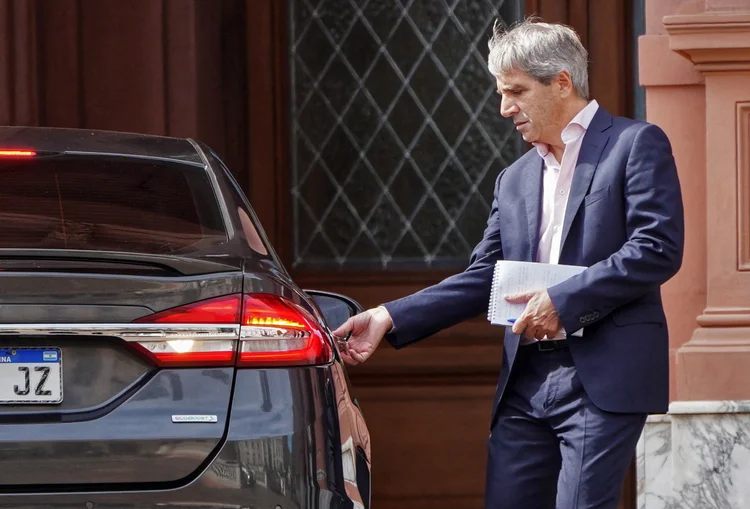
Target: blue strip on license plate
{"points": [[23, 356]]}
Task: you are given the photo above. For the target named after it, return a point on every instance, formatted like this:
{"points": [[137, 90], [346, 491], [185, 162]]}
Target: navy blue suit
{"points": [[624, 221]]}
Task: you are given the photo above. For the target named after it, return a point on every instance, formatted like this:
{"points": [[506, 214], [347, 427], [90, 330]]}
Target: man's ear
{"points": [[565, 83]]}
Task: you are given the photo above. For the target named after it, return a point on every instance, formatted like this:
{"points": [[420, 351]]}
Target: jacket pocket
{"points": [[644, 313], [595, 196]]}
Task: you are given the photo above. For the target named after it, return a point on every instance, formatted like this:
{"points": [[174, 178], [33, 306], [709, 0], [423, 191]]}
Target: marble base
{"points": [[696, 457]]}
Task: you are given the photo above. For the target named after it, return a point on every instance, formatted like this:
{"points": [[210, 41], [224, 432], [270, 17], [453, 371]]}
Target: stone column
{"points": [[675, 101], [715, 363]]}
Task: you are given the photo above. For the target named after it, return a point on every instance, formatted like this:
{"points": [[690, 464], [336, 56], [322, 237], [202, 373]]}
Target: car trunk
{"points": [[82, 400]]}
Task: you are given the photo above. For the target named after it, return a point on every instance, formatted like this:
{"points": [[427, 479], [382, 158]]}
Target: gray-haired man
{"points": [[598, 191]]}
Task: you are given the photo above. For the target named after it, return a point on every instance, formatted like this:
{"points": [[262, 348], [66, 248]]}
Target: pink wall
{"points": [[695, 64]]}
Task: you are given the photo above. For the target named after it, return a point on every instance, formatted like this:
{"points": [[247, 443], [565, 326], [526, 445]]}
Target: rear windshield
{"points": [[114, 204]]}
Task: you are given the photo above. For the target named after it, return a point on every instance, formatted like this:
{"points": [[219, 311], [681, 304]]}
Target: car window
{"points": [[112, 204]]}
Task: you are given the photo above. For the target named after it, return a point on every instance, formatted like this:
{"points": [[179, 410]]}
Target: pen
{"points": [[512, 320]]}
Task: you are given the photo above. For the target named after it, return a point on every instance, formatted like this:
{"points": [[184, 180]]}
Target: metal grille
{"points": [[397, 139]]}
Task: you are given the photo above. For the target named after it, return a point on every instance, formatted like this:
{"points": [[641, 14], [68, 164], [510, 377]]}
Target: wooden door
{"points": [[325, 77]]}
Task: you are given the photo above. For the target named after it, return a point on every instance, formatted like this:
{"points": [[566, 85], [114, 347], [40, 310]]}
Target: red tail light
{"points": [[272, 331], [17, 153], [202, 344], [277, 332], [223, 310]]}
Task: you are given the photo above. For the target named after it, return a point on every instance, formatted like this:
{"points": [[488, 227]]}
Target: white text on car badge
{"points": [[195, 418]]}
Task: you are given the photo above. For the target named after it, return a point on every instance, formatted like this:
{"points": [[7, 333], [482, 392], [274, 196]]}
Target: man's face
{"points": [[535, 108]]}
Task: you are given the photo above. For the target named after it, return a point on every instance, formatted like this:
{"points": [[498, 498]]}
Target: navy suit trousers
{"points": [[550, 447]]}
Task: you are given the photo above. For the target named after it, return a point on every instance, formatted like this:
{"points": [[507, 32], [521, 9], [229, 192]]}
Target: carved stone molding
{"points": [[712, 364], [725, 317], [743, 185], [714, 42]]}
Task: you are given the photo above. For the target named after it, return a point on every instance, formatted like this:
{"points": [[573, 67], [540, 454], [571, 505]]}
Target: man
{"points": [[595, 190]]}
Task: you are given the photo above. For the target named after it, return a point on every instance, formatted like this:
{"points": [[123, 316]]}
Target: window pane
{"points": [[108, 204], [396, 135]]}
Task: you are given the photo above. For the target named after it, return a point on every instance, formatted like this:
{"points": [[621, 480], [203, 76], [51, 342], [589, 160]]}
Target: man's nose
{"points": [[508, 108]]}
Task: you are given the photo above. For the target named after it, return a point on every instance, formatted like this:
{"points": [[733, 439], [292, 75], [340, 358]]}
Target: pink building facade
{"points": [[695, 66], [694, 62]]}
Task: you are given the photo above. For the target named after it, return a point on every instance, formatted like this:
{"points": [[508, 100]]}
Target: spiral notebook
{"points": [[514, 277]]}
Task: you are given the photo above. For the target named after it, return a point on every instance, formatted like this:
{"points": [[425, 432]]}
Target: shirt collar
{"points": [[575, 128]]}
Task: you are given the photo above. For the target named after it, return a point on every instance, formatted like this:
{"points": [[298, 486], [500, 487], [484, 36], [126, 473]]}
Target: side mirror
{"points": [[336, 308]]}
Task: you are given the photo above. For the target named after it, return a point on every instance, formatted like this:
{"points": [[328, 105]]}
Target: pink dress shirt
{"points": [[556, 182]]}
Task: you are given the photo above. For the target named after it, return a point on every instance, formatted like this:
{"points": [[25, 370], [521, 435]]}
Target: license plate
{"points": [[30, 376]]}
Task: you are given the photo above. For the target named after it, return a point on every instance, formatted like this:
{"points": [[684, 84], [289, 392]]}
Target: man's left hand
{"points": [[539, 319]]}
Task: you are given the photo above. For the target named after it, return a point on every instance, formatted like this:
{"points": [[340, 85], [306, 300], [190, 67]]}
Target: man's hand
{"points": [[367, 329], [539, 319]]}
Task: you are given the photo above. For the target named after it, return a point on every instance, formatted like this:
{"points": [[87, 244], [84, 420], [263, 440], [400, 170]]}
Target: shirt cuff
{"points": [[393, 327]]}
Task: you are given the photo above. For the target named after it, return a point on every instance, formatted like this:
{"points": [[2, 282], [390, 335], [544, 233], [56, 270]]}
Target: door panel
{"points": [[443, 427], [394, 133]]}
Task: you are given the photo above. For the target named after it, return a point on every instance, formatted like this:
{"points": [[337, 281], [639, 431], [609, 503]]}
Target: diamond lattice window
{"points": [[396, 135]]}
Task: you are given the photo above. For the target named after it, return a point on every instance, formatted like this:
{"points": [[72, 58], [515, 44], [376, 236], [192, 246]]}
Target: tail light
{"points": [[203, 333], [16, 153], [277, 332], [221, 310], [271, 330]]}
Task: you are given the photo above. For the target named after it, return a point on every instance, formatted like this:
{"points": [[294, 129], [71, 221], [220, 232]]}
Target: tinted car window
{"points": [[112, 204]]}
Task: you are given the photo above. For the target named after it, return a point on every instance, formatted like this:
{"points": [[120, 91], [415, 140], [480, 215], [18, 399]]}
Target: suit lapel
{"points": [[533, 193], [593, 144]]}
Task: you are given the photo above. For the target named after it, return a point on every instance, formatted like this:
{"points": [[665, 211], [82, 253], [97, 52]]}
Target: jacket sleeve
{"points": [[655, 231], [455, 299]]}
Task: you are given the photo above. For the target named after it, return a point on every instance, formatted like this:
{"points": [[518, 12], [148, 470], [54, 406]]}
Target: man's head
{"points": [[542, 76]]}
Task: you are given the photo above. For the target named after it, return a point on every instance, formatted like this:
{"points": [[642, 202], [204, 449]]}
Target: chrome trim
{"points": [[265, 332], [128, 331]]}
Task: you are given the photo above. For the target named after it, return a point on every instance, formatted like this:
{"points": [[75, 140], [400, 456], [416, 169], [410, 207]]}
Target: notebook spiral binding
{"points": [[493, 297]]}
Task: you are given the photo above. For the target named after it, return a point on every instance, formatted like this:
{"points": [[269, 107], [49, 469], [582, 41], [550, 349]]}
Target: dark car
{"points": [[154, 352]]}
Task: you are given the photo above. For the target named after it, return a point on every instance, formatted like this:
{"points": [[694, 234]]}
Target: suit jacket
{"points": [[624, 221]]}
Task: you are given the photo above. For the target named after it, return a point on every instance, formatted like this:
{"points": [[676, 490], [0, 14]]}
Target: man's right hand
{"points": [[367, 330]]}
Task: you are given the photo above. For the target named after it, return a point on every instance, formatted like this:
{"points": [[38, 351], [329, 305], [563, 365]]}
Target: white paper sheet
{"points": [[516, 277]]}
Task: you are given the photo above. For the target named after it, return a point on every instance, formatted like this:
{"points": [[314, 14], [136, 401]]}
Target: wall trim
{"points": [[658, 65], [743, 185], [714, 42]]}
